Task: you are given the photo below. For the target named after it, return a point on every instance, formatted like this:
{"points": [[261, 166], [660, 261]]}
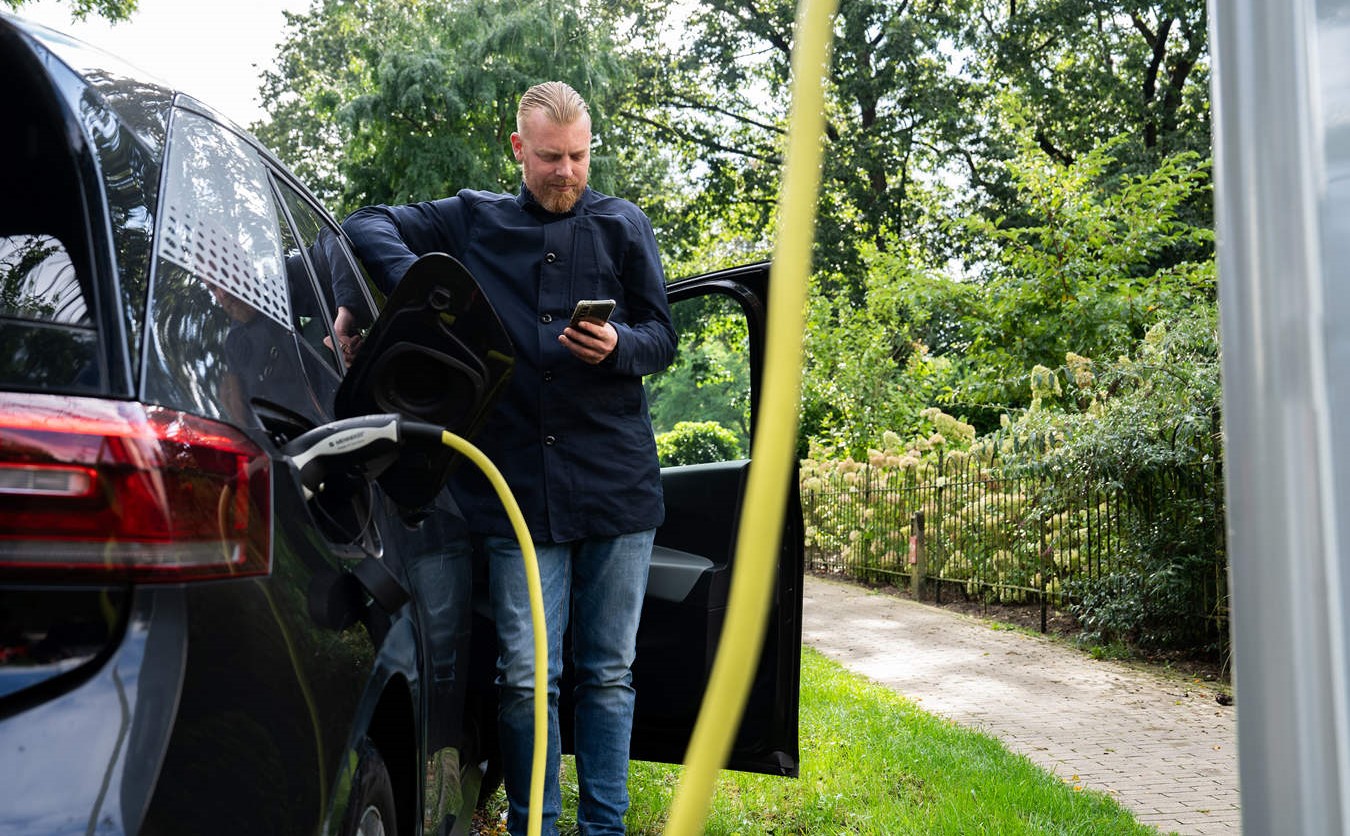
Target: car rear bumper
{"points": [[86, 758]]}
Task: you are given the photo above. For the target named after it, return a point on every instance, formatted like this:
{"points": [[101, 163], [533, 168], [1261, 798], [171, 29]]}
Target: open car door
{"points": [[720, 318]]}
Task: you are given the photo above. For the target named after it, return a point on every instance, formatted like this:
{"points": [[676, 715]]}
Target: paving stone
{"points": [[1162, 748]]}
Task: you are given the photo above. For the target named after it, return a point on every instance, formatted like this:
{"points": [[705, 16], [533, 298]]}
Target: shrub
{"points": [[1107, 495], [1150, 437], [697, 442]]}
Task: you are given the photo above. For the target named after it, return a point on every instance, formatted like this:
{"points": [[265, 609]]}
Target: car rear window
{"points": [[47, 337]]}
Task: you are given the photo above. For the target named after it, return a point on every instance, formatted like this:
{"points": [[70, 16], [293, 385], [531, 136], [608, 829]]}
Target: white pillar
{"points": [[1281, 96]]}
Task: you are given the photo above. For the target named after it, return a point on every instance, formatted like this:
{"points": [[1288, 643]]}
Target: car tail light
{"points": [[91, 488]]}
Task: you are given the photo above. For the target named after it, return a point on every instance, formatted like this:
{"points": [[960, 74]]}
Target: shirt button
{"points": [[546, 318], [550, 258], [550, 440], [548, 376]]}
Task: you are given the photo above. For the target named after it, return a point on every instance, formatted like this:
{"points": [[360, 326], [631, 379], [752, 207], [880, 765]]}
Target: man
{"points": [[571, 435]]}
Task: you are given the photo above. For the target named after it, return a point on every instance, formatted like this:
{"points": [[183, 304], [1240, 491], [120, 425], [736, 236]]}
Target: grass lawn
{"points": [[874, 763]]}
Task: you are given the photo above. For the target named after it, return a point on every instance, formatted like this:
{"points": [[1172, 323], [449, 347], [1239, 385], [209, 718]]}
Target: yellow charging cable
{"points": [[536, 590], [759, 535]]}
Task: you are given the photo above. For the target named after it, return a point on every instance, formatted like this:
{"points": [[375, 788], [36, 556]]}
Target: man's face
{"points": [[554, 159]]}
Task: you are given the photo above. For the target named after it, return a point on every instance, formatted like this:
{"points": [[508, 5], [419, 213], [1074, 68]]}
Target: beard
{"points": [[557, 197]]}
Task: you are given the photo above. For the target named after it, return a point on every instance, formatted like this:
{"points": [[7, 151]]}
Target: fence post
{"points": [[918, 559], [1045, 572]]}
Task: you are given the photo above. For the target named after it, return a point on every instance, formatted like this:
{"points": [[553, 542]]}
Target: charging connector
{"points": [[367, 445]]}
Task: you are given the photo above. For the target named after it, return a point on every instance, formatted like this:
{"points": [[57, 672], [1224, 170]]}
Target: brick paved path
{"points": [[1161, 746]]}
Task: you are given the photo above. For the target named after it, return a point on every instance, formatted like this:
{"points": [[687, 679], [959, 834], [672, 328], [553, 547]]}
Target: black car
{"points": [[200, 632]]}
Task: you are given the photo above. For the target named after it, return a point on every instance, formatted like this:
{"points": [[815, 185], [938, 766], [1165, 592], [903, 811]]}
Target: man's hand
{"points": [[590, 342], [348, 330]]}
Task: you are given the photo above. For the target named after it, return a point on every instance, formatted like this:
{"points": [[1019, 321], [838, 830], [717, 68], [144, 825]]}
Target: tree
{"points": [[720, 100], [1073, 75], [1085, 71], [402, 100], [873, 367], [80, 9], [926, 100], [1083, 273]]}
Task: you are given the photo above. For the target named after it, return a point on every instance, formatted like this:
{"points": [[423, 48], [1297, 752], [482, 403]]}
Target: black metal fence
{"points": [[967, 529]]}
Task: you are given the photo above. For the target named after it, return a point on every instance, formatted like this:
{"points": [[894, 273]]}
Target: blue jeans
{"points": [[600, 583]]}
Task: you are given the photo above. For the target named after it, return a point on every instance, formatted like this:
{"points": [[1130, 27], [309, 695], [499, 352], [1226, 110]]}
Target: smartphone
{"points": [[596, 310]]}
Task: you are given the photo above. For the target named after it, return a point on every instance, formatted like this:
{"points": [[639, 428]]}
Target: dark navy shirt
{"points": [[574, 441]]}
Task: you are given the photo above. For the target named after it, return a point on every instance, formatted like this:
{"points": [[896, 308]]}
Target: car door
{"points": [[720, 318]]}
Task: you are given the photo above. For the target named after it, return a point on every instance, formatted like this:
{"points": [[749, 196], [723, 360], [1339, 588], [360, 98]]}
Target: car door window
{"points": [[221, 317], [310, 317], [320, 246], [337, 273], [700, 406]]}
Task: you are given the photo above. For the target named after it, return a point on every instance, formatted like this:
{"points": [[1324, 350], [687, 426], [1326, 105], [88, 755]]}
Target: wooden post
{"points": [[918, 559]]}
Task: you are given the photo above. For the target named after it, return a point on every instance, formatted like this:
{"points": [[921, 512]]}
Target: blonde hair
{"points": [[559, 102]]}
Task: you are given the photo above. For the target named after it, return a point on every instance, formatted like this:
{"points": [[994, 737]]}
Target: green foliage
{"points": [[870, 366], [379, 101], [326, 58], [1087, 70], [697, 442], [1106, 494], [926, 100], [1092, 265], [1155, 409], [718, 101], [1069, 76], [113, 10], [407, 99], [1150, 433], [1087, 272], [710, 378]]}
